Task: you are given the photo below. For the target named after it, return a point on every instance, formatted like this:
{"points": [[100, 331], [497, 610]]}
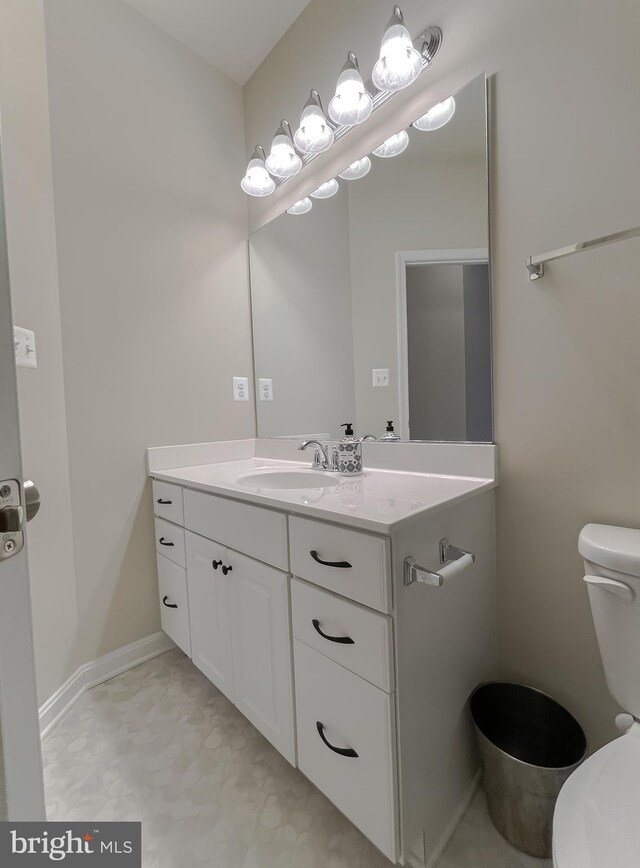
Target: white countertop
{"points": [[376, 501]]}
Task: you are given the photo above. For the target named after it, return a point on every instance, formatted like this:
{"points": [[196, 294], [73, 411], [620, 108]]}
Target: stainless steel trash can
{"points": [[529, 745]]}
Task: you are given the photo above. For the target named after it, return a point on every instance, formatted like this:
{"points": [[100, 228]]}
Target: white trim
{"points": [[90, 674], [466, 255]]}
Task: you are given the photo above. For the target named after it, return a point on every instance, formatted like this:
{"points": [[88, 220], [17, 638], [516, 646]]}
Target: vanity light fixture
{"points": [[257, 181], [437, 116], [302, 206], [283, 162], [326, 190], [356, 170], [393, 146], [351, 104], [315, 133], [399, 63]]}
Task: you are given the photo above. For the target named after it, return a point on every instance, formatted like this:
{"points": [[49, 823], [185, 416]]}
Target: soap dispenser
{"points": [[390, 434], [349, 452]]}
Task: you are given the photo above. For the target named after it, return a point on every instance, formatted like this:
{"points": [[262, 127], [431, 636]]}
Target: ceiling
{"points": [[235, 36]]}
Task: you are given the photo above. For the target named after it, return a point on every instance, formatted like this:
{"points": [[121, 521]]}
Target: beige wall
{"points": [[26, 150], [567, 403]]}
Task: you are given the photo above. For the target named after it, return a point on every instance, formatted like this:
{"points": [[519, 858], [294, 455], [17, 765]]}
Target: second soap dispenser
{"points": [[349, 452]]}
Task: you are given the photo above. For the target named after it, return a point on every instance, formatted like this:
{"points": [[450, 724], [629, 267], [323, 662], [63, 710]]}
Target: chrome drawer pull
{"points": [[343, 751], [341, 565], [169, 605], [163, 543], [165, 502], [342, 640]]}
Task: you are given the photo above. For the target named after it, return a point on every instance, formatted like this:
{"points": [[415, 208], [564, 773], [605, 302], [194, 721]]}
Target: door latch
{"points": [[11, 518]]}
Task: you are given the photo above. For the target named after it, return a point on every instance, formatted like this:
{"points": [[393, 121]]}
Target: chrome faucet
{"points": [[320, 458]]}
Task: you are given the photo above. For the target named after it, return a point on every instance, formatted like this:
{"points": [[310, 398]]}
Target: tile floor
{"points": [[160, 744]]}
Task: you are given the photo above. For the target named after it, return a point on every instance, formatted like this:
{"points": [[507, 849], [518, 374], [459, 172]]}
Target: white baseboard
{"points": [[437, 852], [97, 671]]}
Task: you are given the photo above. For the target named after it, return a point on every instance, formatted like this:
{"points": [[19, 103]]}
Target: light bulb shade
{"points": [[257, 181], [437, 116], [302, 206], [326, 190], [356, 170], [399, 63], [314, 134], [393, 146], [283, 162], [351, 103]]}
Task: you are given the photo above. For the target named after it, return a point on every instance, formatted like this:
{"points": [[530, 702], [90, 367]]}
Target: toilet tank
{"points": [[612, 573]]}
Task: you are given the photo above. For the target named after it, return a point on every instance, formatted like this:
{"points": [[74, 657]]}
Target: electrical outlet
{"points": [[380, 378], [24, 344], [240, 389], [265, 389]]}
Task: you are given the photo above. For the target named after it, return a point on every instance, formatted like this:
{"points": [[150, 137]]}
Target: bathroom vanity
{"points": [[287, 588]]}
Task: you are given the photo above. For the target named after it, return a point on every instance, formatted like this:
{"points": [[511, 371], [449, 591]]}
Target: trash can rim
{"points": [[510, 756]]}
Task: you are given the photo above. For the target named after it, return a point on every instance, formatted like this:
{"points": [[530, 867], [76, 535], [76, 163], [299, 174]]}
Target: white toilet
{"points": [[597, 817]]}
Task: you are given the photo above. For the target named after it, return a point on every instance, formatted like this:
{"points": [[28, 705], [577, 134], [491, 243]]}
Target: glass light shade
{"points": [[351, 103], [399, 63], [437, 116], [283, 162], [393, 146], [302, 206], [257, 181], [326, 190], [314, 134], [357, 170]]}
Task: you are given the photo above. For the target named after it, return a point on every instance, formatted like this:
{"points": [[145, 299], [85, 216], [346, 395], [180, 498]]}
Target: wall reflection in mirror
{"points": [[371, 297]]}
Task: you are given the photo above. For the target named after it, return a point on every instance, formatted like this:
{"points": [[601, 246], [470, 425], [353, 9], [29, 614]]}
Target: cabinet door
{"points": [[209, 611], [261, 632]]}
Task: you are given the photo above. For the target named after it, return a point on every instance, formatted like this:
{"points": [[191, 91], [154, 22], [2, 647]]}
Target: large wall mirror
{"points": [[374, 305]]}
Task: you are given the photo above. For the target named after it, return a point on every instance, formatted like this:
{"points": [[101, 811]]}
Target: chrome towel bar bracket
{"points": [[453, 560], [535, 264]]}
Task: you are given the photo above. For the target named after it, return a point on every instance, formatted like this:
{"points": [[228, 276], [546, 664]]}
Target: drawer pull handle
{"points": [[163, 543], [165, 502], [226, 570], [341, 565], [215, 564], [169, 605], [343, 751], [342, 640]]}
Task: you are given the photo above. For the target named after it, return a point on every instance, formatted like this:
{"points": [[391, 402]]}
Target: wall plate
{"points": [[24, 344]]}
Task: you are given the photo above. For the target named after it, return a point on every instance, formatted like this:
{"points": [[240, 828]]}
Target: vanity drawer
{"points": [[369, 654], [351, 714], [174, 603], [170, 541], [356, 565], [257, 532], [167, 501]]}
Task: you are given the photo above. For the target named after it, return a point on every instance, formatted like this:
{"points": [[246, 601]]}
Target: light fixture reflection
{"points": [[393, 146], [351, 103], [437, 116], [399, 63], [314, 134], [257, 181], [356, 170], [302, 206], [283, 162], [326, 190]]}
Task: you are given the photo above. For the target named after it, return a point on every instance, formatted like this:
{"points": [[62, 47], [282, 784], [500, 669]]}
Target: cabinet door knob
{"points": [[341, 565], [342, 640], [169, 605], [163, 543], [343, 751], [165, 502], [226, 570], [215, 564]]}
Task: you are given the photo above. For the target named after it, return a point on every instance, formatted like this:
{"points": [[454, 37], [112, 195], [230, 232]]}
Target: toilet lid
{"points": [[597, 818]]}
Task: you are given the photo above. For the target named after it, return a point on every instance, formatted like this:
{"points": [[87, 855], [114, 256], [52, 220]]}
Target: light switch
{"points": [[265, 389], [240, 389], [24, 344], [380, 378]]}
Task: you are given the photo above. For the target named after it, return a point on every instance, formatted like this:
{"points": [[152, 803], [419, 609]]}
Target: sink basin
{"points": [[288, 479]]}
